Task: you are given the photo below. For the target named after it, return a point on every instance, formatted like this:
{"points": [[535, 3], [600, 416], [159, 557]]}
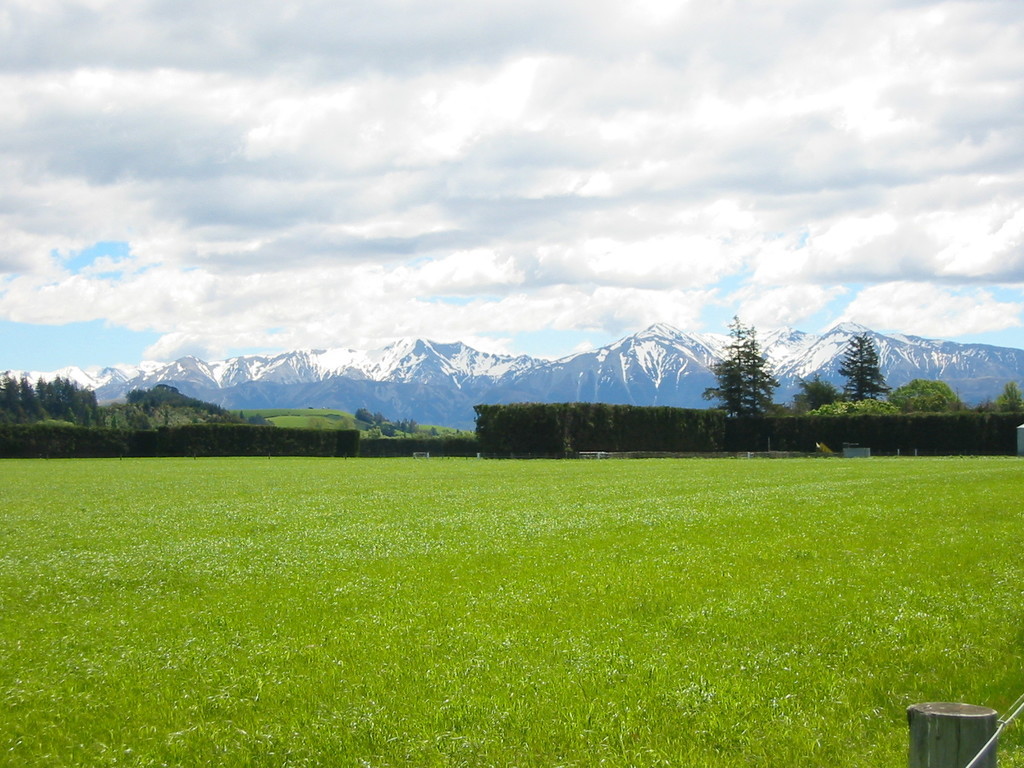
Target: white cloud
{"points": [[979, 244], [461, 273], [670, 261], [969, 244], [928, 310], [314, 173], [788, 306]]}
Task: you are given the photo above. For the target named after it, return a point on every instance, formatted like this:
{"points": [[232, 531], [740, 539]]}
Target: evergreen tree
{"points": [[815, 393], [860, 366], [60, 399], [21, 402], [10, 401], [84, 406], [30, 406], [745, 383], [162, 401]]}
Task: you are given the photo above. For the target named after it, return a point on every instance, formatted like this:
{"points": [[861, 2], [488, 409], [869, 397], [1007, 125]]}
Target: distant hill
{"points": [[300, 418], [326, 418], [434, 383]]}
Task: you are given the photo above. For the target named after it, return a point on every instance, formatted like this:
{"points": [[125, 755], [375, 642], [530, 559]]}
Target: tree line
{"points": [[378, 425], [746, 385], [22, 402], [164, 406], [66, 402]]}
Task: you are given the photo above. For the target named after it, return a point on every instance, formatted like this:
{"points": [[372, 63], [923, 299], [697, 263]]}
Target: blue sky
{"points": [[526, 177], [48, 348]]}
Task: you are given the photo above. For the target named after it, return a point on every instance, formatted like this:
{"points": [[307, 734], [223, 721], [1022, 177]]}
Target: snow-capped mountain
{"points": [[658, 366], [440, 383]]}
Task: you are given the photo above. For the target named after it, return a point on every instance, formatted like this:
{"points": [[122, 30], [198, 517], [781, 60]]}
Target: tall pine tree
{"points": [[860, 366], [745, 383]]}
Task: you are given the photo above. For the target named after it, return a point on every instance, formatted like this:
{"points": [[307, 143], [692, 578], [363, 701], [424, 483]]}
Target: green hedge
{"points": [[965, 432], [248, 440], [392, 447], [565, 429], [30, 441], [55, 441], [533, 429]]}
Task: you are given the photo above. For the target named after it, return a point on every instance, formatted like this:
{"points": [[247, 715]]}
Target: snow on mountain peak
{"points": [[661, 365], [848, 327], [659, 330]]}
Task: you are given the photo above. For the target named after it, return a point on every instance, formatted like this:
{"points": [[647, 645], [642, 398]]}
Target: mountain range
{"points": [[436, 383]]}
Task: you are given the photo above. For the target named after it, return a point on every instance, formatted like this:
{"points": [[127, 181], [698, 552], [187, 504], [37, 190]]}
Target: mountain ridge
{"points": [[440, 382]]}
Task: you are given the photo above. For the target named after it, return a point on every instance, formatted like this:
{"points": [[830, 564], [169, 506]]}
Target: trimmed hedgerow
{"points": [[564, 429], [967, 433], [393, 447], [60, 441]]}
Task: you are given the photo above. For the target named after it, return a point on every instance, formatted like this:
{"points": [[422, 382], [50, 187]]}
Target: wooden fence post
{"points": [[950, 735]]}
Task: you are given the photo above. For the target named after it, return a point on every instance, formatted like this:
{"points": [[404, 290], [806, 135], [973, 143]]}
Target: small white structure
{"points": [[1020, 440]]}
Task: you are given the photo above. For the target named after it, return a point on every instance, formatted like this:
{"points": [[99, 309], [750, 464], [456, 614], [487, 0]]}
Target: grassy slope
{"points": [[323, 418], [327, 612], [305, 418]]}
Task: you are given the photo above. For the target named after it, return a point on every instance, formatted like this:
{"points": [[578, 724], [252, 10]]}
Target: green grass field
{"points": [[331, 612], [304, 418], [325, 418]]}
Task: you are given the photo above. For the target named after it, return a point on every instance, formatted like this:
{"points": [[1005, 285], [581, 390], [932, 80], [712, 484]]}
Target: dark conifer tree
{"points": [[30, 407], [745, 383], [10, 401], [860, 366], [815, 393]]}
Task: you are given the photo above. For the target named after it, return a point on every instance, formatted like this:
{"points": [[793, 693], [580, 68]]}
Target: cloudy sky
{"points": [[529, 176]]}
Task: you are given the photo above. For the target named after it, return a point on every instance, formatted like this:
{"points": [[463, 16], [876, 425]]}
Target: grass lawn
{"points": [[360, 612], [304, 418], [325, 418]]}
